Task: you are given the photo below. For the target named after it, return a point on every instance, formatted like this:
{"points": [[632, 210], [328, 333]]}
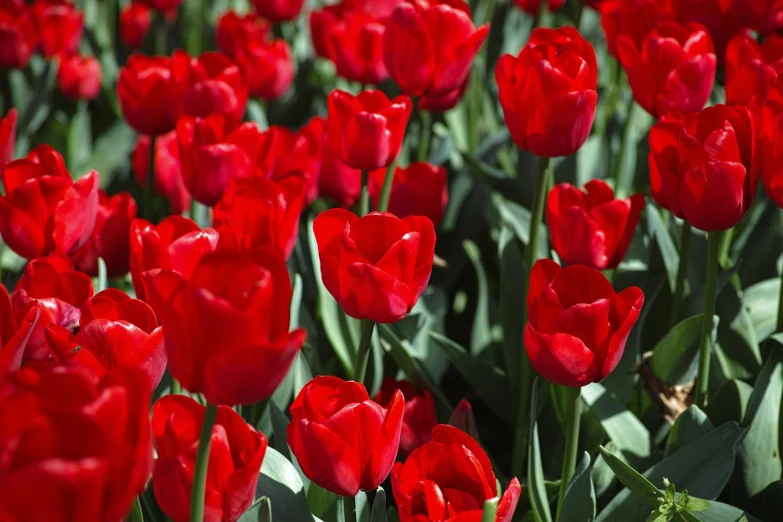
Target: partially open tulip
{"points": [[235, 456], [534, 6], [43, 209], [419, 417], [226, 324], [763, 16], [429, 48], [109, 239], [343, 441], [293, 155], [60, 26], [577, 324], [715, 15], [18, 37], [168, 171], [366, 131], [14, 333], [135, 22], [7, 138], [116, 331], [262, 212], [449, 479], [321, 23], [632, 18], [233, 32], [703, 166], [591, 227], [674, 70], [146, 95], [769, 142], [86, 442], [161, 5], [336, 180], [752, 69], [79, 78], [420, 189], [548, 92], [278, 10], [377, 266], [355, 44], [462, 418]]}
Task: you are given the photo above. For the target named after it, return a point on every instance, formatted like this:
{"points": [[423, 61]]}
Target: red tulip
{"points": [[79, 78], [110, 237], [233, 32], [355, 45], [118, 332], [752, 69], [14, 333], [177, 243], [377, 266], [60, 27], [673, 71], [51, 284], [342, 440], [262, 213], [715, 15], [7, 138], [278, 10], [591, 227], [769, 126], [294, 154], [226, 324], [463, 419], [161, 5], [417, 190], [146, 94], [763, 16], [18, 37], [86, 443], [366, 131], [321, 23], [429, 48], [168, 171], [577, 325], [336, 180], [419, 417], [135, 22], [702, 168], [212, 153], [43, 209], [235, 456], [208, 84], [632, 18], [534, 6], [548, 92], [449, 479]]}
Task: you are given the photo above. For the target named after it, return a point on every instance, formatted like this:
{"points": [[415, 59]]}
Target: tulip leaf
{"points": [[512, 299], [671, 259], [674, 356], [378, 513], [689, 426], [79, 147], [761, 303], [488, 381], [703, 467], [619, 424], [102, 282], [579, 503], [110, 152], [632, 479], [518, 218], [720, 512], [481, 333], [320, 500], [281, 483], [539, 500], [279, 428], [729, 403]]}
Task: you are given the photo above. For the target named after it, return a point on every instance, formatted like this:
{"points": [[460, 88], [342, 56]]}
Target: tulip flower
{"points": [[763, 16], [85, 442], [548, 92], [429, 48], [232, 32], [715, 15], [110, 237], [591, 227], [7, 138], [43, 209], [135, 22], [226, 324], [79, 78], [366, 131], [146, 95], [336, 180], [60, 26], [633, 18], [673, 71], [161, 5], [462, 417], [577, 325], [449, 478], [14, 333], [342, 440], [293, 155], [176, 243], [417, 190], [703, 166], [235, 457], [278, 10], [168, 171], [752, 69], [116, 331], [419, 417], [18, 37], [321, 23], [377, 266], [262, 213], [355, 44], [533, 7]]}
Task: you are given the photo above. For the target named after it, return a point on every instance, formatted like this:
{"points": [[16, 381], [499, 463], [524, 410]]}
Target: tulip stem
{"points": [[161, 35], [363, 353], [136, 514], [572, 418], [364, 196], [780, 306], [202, 461], [388, 181], [705, 345], [490, 510], [176, 389], [348, 510], [682, 271], [525, 384], [620, 177], [150, 194], [579, 8], [425, 137]]}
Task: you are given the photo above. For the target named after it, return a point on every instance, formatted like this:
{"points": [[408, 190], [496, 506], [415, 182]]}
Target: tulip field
{"points": [[391, 260]]}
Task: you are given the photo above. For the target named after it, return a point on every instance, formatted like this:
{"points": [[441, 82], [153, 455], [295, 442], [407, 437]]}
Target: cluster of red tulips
{"points": [[207, 316]]}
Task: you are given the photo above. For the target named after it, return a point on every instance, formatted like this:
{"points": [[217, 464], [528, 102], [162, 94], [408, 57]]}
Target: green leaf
{"points": [[539, 501], [320, 500], [689, 426], [488, 381], [518, 218], [657, 516], [378, 513], [256, 113], [671, 259], [512, 299], [279, 426], [102, 282], [675, 354], [729, 403], [619, 424], [761, 302], [110, 152], [579, 502], [632, 479], [264, 510], [79, 139], [689, 517], [697, 504], [481, 333], [281, 483], [720, 512]]}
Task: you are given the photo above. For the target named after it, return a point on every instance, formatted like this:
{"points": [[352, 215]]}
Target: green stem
{"points": [[682, 271], [136, 514], [579, 8], [348, 510], [705, 348], [622, 177], [149, 196], [724, 258], [363, 353], [176, 389], [388, 181], [572, 416], [202, 461], [364, 196], [426, 135], [525, 385], [780, 306], [490, 510], [161, 35]]}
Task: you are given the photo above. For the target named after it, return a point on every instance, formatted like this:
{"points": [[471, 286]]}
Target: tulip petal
{"points": [[560, 358], [712, 196], [74, 218], [326, 459]]}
